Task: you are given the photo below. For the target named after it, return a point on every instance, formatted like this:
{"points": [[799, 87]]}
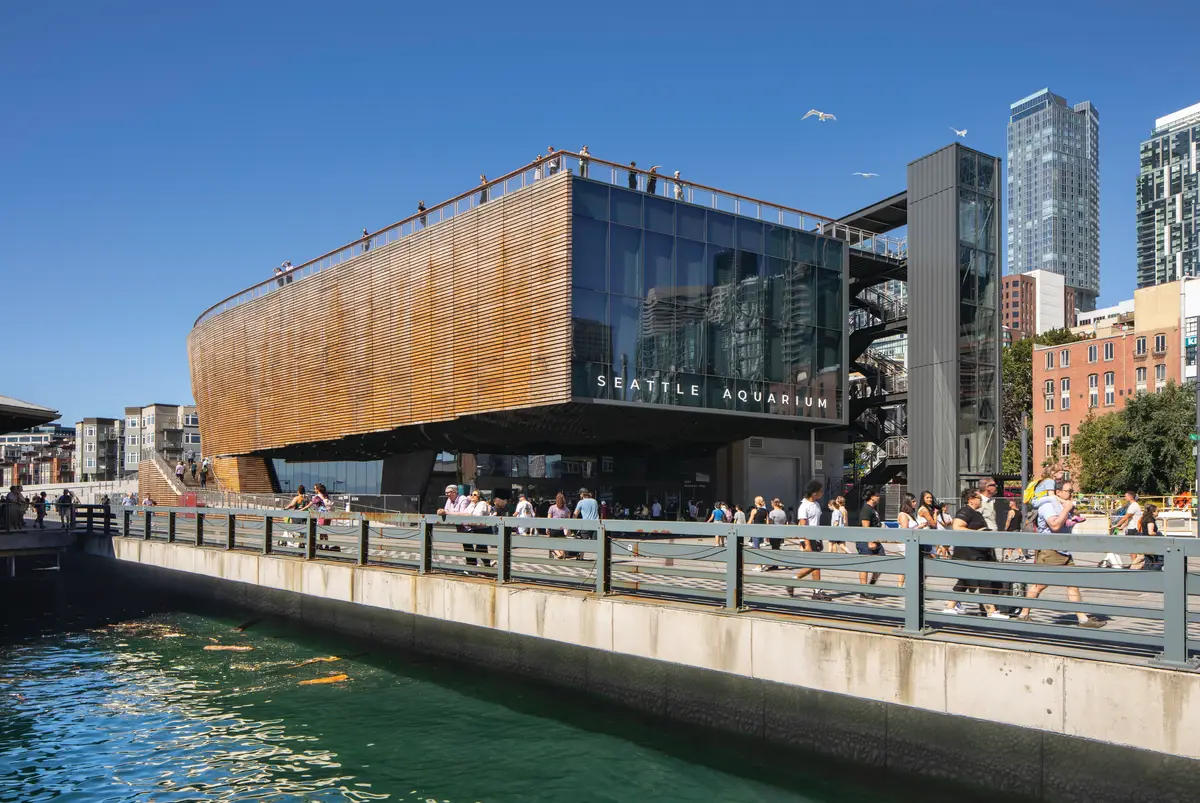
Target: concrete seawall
{"points": [[1047, 727]]}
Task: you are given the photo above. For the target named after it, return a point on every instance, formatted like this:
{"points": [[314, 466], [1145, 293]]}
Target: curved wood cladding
{"points": [[469, 316], [245, 475]]}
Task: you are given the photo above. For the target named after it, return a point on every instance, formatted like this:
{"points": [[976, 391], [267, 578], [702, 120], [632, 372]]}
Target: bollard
{"points": [[914, 587], [425, 553], [126, 522], [146, 525], [1175, 607], [199, 528]]}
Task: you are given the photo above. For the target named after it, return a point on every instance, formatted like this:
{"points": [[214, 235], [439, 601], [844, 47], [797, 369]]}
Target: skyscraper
{"points": [[1168, 200], [1054, 191]]}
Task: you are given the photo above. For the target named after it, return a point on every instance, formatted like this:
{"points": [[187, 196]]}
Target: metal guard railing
{"points": [[641, 558], [592, 168]]}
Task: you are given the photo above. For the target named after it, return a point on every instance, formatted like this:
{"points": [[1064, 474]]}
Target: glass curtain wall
{"points": [[344, 476], [681, 305], [978, 331]]}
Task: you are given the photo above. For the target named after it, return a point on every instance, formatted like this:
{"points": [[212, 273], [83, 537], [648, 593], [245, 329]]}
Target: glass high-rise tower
{"points": [[1168, 200], [1054, 191]]}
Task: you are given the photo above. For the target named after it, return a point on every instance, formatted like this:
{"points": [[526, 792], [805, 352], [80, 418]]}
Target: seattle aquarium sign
{"points": [[816, 399]]}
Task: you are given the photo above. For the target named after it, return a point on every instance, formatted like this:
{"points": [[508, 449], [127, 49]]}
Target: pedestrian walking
{"points": [[1148, 525], [868, 516], [838, 517], [523, 510], [179, 470], [587, 509], [1055, 515], [809, 515], [777, 516], [64, 505], [758, 515], [583, 161], [190, 457], [969, 517], [559, 510], [204, 473], [633, 181]]}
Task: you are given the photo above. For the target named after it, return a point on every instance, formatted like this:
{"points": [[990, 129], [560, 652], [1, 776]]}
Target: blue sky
{"points": [[156, 157]]}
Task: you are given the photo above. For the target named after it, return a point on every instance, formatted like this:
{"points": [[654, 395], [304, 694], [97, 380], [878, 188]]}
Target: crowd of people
{"points": [[18, 505], [982, 508]]}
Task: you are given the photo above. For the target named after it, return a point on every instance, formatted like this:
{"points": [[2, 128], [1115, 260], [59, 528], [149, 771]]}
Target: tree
{"points": [[1145, 447], [1016, 374]]}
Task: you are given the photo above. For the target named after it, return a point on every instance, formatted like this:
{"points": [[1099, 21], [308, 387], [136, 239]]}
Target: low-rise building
{"points": [[169, 430], [100, 449], [42, 454], [1126, 352]]}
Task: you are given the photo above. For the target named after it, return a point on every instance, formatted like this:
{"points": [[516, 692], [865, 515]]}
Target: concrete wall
{"points": [[1045, 726]]}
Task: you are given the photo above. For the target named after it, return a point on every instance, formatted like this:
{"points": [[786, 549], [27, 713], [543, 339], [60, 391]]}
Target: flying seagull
{"points": [[962, 133], [866, 175], [820, 115]]}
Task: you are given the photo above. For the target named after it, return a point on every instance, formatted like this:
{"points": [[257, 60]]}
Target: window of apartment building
{"points": [[1110, 397], [1050, 432], [1091, 353], [192, 437], [1065, 431], [191, 420], [90, 462], [1139, 346], [89, 447], [1066, 394], [1160, 344], [1065, 385], [148, 439], [1049, 387], [1049, 446], [1160, 375], [1108, 352], [89, 432], [1049, 404], [1066, 449], [1064, 358], [132, 421], [132, 440], [1141, 377]]}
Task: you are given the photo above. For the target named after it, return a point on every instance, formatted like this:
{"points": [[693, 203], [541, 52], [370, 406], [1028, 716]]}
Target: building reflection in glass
{"points": [[681, 305]]}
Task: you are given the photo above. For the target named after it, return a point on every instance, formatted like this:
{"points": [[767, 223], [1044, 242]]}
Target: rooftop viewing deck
{"points": [[587, 166]]}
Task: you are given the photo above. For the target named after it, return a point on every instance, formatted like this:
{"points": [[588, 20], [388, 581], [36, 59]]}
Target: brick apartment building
{"points": [[1098, 375], [1036, 302]]}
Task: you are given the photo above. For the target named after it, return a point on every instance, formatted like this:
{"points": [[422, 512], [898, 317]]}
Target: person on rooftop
{"points": [[583, 161], [421, 210], [633, 174], [366, 236], [483, 192]]}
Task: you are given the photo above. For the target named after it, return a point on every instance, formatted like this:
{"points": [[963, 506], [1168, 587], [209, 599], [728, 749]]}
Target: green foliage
{"points": [[1010, 460], [1145, 447]]}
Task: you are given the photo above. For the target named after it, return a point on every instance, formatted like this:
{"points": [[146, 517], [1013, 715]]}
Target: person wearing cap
{"points": [[587, 508], [523, 510]]}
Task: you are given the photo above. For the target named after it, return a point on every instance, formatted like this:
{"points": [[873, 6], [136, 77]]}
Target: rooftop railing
{"points": [[550, 167]]}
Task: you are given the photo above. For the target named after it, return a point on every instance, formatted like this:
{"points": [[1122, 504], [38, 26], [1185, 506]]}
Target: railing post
{"points": [[171, 527], [107, 520], [310, 545], [199, 528], [603, 562], [914, 586], [230, 530], [146, 524], [1175, 606], [425, 552], [89, 529], [364, 538], [126, 522], [503, 550], [268, 532], [733, 570]]}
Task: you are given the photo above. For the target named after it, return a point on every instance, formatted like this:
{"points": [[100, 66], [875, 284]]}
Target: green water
{"points": [[132, 707]]}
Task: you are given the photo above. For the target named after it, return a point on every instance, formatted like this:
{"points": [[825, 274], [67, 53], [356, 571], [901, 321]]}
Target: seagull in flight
{"points": [[962, 133], [820, 115], [866, 175]]}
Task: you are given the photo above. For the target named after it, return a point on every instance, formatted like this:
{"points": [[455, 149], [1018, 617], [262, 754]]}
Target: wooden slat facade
{"points": [[246, 475], [469, 316]]}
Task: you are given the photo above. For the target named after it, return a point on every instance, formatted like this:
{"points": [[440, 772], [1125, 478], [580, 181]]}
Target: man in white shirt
{"points": [[1129, 522], [809, 515], [524, 510], [987, 507], [656, 510]]}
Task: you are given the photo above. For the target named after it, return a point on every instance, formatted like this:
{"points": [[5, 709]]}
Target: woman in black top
{"points": [[1148, 526]]}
